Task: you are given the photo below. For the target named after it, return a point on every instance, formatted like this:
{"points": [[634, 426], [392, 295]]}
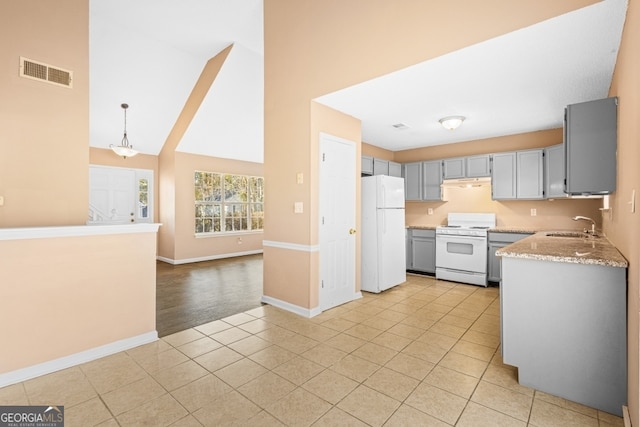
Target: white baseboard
{"points": [[50, 366], [305, 312], [206, 258], [626, 417]]}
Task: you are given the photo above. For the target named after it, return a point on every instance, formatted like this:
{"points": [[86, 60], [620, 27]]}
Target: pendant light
{"points": [[124, 149], [451, 122]]}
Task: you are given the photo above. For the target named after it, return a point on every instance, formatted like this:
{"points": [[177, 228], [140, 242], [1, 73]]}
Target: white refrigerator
{"points": [[383, 245]]}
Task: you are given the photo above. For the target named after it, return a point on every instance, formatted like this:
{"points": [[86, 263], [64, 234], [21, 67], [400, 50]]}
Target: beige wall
{"points": [[377, 152], [187, 246], [521, 141], [550, 214], [307, 55], [167, 158], [72, 294], [44, 148], [623, 226]]}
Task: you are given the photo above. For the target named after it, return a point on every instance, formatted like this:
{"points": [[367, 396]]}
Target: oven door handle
{"points": [[450, 237]]}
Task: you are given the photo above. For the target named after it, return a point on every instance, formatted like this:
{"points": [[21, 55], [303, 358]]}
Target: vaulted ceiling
{"points": [[149, 54]]}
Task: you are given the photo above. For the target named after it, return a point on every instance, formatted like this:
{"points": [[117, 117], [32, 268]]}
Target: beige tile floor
{"points": [[422, 354]]}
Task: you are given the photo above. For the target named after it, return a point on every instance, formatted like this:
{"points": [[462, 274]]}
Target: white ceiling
{"points": [[149, 53]]}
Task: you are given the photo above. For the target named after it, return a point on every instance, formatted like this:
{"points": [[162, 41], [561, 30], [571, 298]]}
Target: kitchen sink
{"points": [[574, 234]]}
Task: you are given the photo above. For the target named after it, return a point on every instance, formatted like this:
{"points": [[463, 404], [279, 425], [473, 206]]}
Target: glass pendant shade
{"points": [[124, 149]]}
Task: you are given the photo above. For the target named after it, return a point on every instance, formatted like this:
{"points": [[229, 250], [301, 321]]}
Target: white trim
{"points": [[75, 231], [291, 246], [54, 365], [207, 258], [239, 233], [626, 416], [304, 312]]}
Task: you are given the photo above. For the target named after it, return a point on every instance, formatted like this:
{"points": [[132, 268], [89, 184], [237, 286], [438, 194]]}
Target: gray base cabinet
{"points": [[564, 327], [497, 241], [422, 248]]}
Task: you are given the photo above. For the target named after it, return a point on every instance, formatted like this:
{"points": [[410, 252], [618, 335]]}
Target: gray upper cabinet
{"points": [[503, 176], [517, 175], [422, 180], [366, 165], [412, 173], [590, 142], [529, 174], [554, 172], [372, 166], [478, 166], [380, 167], [453, 168], [395, 169], [431, 180]]}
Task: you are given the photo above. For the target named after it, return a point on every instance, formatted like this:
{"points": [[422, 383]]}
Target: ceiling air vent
{"points": [[400, 126], [45, 73]]}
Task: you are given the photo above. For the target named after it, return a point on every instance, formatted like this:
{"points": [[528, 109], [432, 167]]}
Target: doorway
{"points": [[120, 195]]}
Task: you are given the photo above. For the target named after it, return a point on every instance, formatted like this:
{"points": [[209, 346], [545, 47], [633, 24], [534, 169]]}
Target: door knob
{"points": [[352, 231]]}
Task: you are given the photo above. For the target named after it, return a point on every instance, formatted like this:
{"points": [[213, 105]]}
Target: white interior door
{"points": [[337, 221]]}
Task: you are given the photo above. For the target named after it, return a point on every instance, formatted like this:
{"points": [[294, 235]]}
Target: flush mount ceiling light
{"points": [[451, 122], [124, 149]]}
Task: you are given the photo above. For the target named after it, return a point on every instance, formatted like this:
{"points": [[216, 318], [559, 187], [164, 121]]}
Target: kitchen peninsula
{"points": [[563, 317]]}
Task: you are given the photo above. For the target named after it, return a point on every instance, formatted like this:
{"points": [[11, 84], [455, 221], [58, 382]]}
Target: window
{"points": [[228, 203], [143, 198]]}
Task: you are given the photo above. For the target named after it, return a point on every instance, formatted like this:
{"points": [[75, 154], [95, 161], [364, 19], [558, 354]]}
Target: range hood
{"points": [[466, 182]]}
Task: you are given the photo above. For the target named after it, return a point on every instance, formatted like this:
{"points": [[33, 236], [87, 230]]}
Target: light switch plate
{"points": [[297, 207], [1, 200], [300, 178]]}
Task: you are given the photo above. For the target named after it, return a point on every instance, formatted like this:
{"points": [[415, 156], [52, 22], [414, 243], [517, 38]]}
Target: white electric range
{"points": [[461, 247]]}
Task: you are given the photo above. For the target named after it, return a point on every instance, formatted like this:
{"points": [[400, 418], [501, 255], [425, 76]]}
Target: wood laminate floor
{"points": [[193, 294]]}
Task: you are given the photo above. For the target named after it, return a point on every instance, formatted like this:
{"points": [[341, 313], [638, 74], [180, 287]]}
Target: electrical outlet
{"points": [[534, 212], [430, 211], [1, 200], [299, 178], [298, 207]]}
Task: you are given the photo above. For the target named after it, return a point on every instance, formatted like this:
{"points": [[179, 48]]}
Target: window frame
{"points": [[222, 207]]}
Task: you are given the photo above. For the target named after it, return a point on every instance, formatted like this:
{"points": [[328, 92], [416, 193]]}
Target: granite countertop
{"points": [[577, 250], [507, 229], [423, 227]]}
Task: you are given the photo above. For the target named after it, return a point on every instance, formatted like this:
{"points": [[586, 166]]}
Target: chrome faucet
{"points": [[593, 223]]}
